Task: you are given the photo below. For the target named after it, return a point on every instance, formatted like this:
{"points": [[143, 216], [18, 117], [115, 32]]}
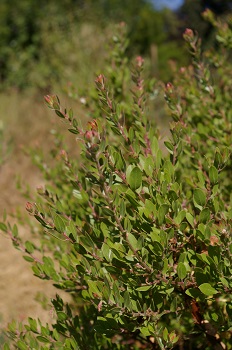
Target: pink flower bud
{"points": [[88, 135], [182, 69], [169, 88], [100, 81], [93, 124], [139, 61], [188, 35], [52, 101], [64, 154], [49, 100], [29, 207]]}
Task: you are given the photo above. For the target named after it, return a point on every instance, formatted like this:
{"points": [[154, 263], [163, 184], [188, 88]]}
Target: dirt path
{"points": [[19, 289]]}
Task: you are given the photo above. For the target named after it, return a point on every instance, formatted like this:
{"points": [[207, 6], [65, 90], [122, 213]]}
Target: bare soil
{"points": [[28, 124]]}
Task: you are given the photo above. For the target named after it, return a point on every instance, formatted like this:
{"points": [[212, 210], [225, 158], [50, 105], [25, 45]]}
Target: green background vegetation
{"points": [[49, 43]]}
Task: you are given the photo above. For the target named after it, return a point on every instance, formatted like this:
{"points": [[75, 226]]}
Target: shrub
{"points": [[140, 238]]}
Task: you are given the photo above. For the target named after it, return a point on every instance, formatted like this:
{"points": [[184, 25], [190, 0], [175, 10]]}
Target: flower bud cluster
{"points": [[52, 101], [30, 207], [189, 35], [100, 82], [193, 41], [92, 138]]}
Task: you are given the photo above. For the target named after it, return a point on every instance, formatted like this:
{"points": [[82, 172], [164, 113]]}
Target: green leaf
{"points": [[143, 288], [119, 161], [93, 288], [163, 210], [42, 339], [73, 131], [115, 130], [133, 241], [149, 165], [61, 316], [42, 222], [165, 334], [116, 292], [218, 158], [168, 171], [29, 247], [107, 252], [6, 347], [158, 159], [213, 175], [154, 145], [131, 134], [60, 114], [21, 345], [204, 215], [207, 289], [181, 270], [131, 199], [127, 301], [190, 219], [145, 331], [122, 208], [3, 227], [199, 197], [71, 344], [33, 324], [214, 316], [201, 177], [150, 206], [193, 292], [15, 231], [135, 178], [224, 282], [157, 248], [87, 241], [180, 217], [169, 146], [28, 258], [59, 222]]}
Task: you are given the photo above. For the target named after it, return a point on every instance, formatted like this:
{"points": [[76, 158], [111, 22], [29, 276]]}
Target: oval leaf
{"points": [[135, 178], [132, 241], [199, 197], [143, 288], [190, 219], [205, 215], [181, 270], [207, 289], [59, 223], [213, 175]]}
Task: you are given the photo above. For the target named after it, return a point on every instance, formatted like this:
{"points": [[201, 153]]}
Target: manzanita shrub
{"points": [[141, 238]]}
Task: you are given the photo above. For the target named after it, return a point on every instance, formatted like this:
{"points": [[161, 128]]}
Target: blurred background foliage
{"points": [[46, 44]]}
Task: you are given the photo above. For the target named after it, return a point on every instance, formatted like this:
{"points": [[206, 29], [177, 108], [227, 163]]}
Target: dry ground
{"points": [[27, 122]]}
